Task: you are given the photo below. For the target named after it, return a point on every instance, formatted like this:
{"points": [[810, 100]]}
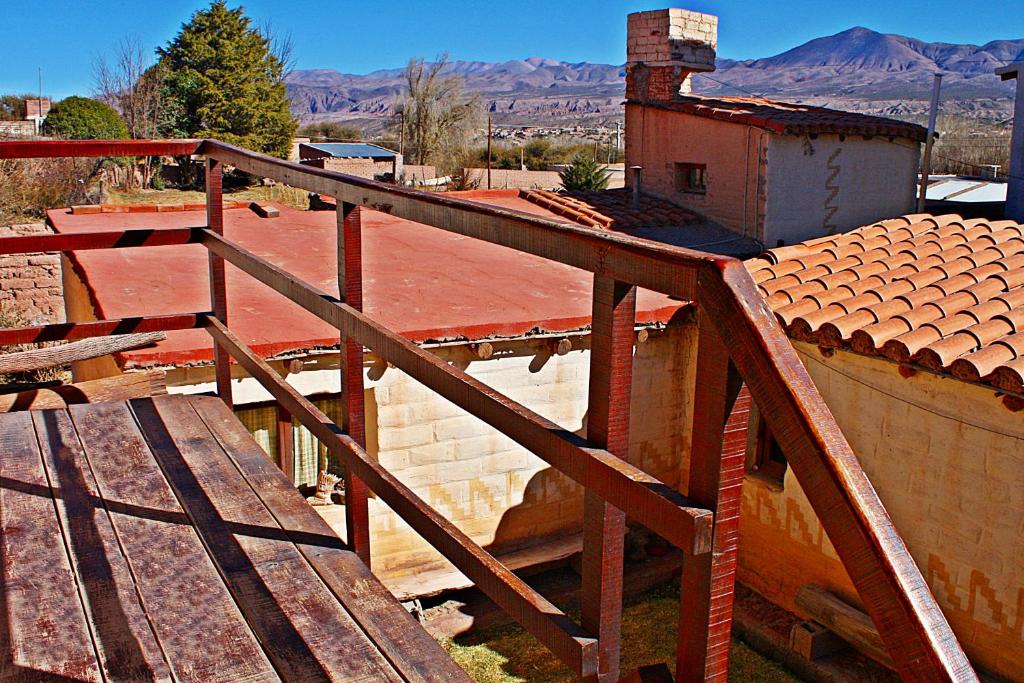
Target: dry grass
{"points": [[966, 144], [281, 194], [511, 655]]}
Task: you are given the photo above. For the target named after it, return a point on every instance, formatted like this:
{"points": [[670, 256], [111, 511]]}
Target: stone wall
{"points": [[663, 47], [510, 179], [30, 284]]}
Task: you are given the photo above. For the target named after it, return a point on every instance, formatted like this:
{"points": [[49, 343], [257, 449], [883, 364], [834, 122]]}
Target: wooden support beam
{"points": [[285, 445], [848, 622], [915, 631], [39, 149], [84, 349], [353, 412], [649, 501], [100, 328], [716, 464], [119, 388], [611, 375], [108, 239], [218, 281], [570, 643]]}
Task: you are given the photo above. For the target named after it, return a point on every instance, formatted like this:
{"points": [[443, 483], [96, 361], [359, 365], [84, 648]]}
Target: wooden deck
{"points": [[154, 540]]}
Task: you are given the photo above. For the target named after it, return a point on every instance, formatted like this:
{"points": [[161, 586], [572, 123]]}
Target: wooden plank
{"points": [[218, 282], [127, 646], [285, 444], [551, 626], [604, 526], [118, 388], [307, 634], [647, 500], [649, 264], [400, 638], [99, 328], [916, 633], [353, 412], [716, 467], [108, 239], [84, 349], [848, 622], [38, 149], [43, 630], [200, 629]]}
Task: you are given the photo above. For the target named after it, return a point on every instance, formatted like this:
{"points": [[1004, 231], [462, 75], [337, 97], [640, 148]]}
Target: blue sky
{"points": [[66, 37]]}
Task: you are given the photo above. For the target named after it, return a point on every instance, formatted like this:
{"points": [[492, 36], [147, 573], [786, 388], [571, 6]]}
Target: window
{"points": [[766, 460], [692, 178]]}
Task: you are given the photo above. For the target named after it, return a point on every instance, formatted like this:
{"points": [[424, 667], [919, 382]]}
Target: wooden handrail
{"points": [[100, 328], [49, 149], [896, 595], [536, 614], [106, 239]]}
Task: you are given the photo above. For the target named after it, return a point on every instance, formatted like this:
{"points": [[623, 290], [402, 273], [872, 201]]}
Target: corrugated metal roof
{"points": [[348, 150]]}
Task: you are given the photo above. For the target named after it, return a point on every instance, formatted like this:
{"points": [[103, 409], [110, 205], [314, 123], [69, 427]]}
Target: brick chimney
{"points": [[663, 47]]}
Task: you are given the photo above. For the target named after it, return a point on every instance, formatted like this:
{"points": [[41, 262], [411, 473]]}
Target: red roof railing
{"points": [[739, 343]]}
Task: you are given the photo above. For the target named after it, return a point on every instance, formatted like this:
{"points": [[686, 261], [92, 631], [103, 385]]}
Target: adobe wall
{"points": [[511, 179], [947, 461], [30, 284], [830, 183], [657, 139]]}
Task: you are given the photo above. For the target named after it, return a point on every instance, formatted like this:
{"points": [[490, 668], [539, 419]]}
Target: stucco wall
{"points": [[947, 460], [657, 139], [831, 184]]}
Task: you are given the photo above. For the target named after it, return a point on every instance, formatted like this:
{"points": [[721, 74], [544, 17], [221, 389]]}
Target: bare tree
{"points": [[281, 46], [132, 83], [438, 116]]}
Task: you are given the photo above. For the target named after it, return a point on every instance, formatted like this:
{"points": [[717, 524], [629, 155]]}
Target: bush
{"points": [[80, 118], [584, 173], [30, 186], [330, 131]]}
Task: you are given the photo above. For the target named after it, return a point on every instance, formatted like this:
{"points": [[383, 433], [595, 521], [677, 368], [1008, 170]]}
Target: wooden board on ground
{"points": [[118, 388]]}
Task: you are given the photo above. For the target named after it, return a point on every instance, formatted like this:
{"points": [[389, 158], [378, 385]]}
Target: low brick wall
{"points": [[505, 179], [30, 284]]}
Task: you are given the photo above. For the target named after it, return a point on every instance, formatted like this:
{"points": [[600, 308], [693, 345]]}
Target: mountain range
{"points": [[857, 69]]}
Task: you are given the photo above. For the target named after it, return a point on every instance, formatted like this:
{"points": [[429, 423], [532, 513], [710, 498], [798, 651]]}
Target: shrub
{"points": [[584, 173], [80, 118]]}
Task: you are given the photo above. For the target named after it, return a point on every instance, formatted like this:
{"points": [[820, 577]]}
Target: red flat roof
{"points": [[426, 283]]}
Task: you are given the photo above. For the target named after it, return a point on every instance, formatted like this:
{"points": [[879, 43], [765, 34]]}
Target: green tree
{"points": [[584, 173], [223, 80], [80, 118]]}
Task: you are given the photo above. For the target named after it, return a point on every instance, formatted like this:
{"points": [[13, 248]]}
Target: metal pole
{"points": [[488, 152], [401, 134], [926, 162]]}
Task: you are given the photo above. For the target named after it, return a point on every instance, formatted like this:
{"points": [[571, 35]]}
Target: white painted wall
{"points": [[826, 185]]}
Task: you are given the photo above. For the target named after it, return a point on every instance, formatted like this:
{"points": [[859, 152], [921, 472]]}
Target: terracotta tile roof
{"points": [[611, 209], [938, 292], [791, 119]]}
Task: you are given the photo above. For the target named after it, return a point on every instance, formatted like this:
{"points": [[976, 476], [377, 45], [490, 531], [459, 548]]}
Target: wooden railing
{"points": [[738, 343]]}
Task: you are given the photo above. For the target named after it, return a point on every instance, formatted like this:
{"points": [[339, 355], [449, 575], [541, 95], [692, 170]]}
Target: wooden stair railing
{"points": [[739, 344]]}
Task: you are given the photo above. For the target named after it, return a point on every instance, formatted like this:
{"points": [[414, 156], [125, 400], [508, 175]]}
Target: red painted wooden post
{"points": [[717, 460], [350, 286], [285, 452], [611, 374], [218, 283]]}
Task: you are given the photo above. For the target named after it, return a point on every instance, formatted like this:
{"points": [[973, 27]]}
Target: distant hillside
{"points": [[858, 69]]}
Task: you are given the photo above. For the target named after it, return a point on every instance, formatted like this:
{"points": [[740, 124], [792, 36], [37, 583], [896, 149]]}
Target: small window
{"points": [[692, 178], [767, 460]]}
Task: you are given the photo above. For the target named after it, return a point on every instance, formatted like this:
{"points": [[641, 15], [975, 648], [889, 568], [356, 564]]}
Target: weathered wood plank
{"points": [[400, 638], [43, 630], [119, 388], [218, 281], [353, 412], [716, 466], [99, 328], [649, 501], [604, 526], [84, 349], [200, 629], [917, 634], [537, 615], [308, 635], [848, 622], [127, 646]]}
